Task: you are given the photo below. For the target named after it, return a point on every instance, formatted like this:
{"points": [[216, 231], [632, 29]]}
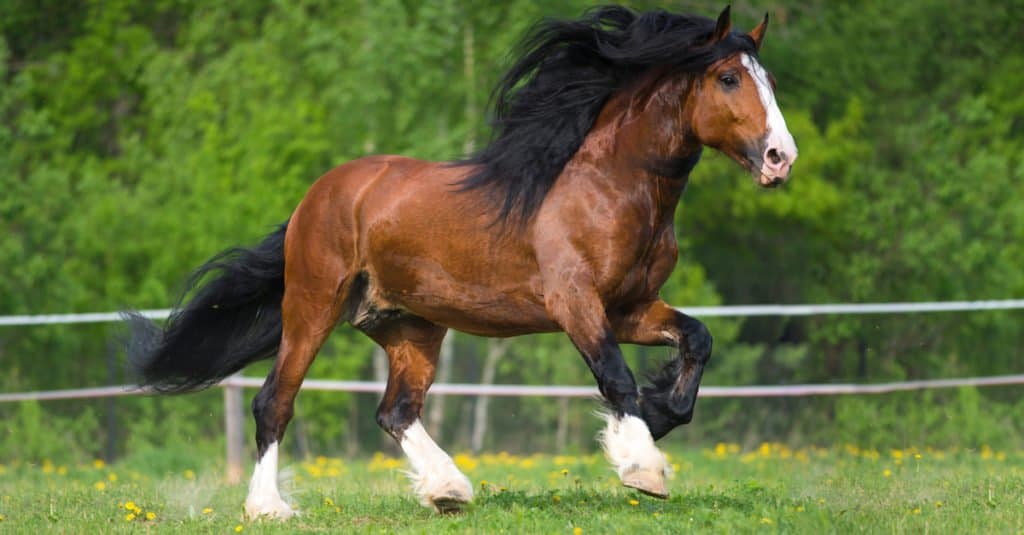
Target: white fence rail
{"points": [[719, 311], [507, 390], [233, 385]]}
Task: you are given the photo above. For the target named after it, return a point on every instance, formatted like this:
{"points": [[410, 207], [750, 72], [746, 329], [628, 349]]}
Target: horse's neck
{"points": [[641, 144]]}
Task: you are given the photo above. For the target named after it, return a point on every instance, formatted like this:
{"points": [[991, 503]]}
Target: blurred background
{"points": [[140, 137]]}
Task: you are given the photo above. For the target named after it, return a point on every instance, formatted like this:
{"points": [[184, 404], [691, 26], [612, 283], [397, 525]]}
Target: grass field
{"points": [[768, 489]]}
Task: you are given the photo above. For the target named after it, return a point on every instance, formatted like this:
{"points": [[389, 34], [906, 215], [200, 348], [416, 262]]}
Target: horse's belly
{"points": [[492, 304], [482, 315]]}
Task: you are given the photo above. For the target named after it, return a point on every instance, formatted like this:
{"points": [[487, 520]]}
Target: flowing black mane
{"points": [[547, 102]]}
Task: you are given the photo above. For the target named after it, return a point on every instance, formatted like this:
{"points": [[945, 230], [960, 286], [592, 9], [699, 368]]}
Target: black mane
{"points": [[547, 102]]}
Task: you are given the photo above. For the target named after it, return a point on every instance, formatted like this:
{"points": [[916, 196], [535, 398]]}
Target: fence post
{"points": [[233, 429]]}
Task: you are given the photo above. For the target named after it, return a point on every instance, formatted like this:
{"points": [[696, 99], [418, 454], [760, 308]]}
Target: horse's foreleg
{"points": [[305, 327], [670, 400], [627, 441], [412, 345]]}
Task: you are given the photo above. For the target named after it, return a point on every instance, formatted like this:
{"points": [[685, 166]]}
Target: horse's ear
{"points": [[757, 34], [723, 26]]}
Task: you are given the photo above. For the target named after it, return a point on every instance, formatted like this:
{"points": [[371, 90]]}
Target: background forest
{"points": [[138, 138]]}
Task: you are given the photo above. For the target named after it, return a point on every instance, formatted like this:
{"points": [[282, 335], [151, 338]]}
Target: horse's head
{"points": [[734, 109]]}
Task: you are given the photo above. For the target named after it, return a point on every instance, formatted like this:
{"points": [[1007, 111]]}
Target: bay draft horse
{"points": [[563, 222]]}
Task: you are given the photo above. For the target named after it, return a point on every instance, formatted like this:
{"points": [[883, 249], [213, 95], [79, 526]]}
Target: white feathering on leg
{"points": [[264, 499], [629, 446], [434, 474]]}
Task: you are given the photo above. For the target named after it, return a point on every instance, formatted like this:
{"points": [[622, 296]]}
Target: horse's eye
{"points": [[729, 80]]}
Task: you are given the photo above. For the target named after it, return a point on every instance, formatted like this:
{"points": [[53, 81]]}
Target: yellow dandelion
{"points": [[634, 503], [337, 509], [112, 477], [207, 510], [916, 511], [466, 462], [2, 518], [556, 498], [99, 485], [938, 504], [238, 528], [483, 483], [577, 531], [130, 505], [129, 517], [61, 471], [887, 473], [565, 471], [799, 508], [189, 474], [328, 501], [767, 521], [150, 515], [98, 463]]}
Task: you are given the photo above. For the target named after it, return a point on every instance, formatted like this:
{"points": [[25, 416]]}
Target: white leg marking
{"points": [[264, 499], [630, 447], [640, 464], [434, 474]]}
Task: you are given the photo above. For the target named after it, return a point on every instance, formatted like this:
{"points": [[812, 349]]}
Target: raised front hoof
{"points": [[268, 510], [648, 482]]}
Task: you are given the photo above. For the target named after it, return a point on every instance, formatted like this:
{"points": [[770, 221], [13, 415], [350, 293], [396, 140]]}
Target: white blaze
{"points": [[778, 137]]}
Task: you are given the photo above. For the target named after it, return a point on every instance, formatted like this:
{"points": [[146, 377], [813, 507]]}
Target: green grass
{"points": [[771, 489]]}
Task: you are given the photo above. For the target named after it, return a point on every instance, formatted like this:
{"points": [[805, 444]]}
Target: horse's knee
{"points": [[396, 414], [698, 341]]}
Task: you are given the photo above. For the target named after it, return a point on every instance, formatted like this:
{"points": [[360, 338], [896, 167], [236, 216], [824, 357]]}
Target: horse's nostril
{"points": [[774, 156]]}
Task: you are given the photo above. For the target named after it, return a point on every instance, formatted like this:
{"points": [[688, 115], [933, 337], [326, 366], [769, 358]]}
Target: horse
{"points": [[562, 222]]}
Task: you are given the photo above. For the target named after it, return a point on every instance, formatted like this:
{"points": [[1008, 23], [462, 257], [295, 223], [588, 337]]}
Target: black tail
{"points": [[232, 319]]}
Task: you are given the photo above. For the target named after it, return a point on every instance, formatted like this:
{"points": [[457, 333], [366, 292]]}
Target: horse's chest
{"points": [[641, 273]]}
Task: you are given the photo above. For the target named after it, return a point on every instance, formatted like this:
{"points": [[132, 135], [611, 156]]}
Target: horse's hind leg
{"points": [[412, 345], [309, 314]]}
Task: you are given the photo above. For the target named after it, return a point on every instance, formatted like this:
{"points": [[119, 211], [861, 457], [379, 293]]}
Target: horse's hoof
{"points": [[448, 505], [269, 510], [649, 482], [450, 500]]}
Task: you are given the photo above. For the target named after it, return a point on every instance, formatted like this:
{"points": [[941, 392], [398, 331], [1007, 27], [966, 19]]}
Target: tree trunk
{"points": [[496, 348], [435, 415], [562, 431]]}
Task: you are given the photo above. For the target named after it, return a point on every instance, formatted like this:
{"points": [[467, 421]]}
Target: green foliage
{"points": [[962, 418], [139, 138], [30, 433]]}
